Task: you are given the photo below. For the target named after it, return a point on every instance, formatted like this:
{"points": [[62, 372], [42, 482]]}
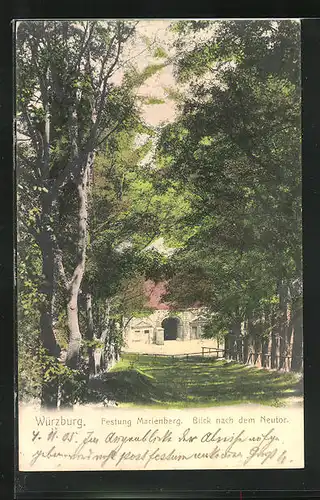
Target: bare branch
{"points": [[104, 88], [85, 44], [109, 133], [105, 60]]}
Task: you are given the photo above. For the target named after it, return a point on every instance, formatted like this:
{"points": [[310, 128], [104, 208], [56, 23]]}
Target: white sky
{"points": [[158, 35]]}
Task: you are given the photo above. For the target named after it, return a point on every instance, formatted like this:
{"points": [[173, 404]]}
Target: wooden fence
{"points": [[205, 352], [219, 353], [237, 349]]}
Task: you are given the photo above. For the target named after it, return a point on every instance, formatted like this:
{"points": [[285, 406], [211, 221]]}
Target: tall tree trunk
{"points": [[90, 332], [246, 348], [257, 341], [75, 337], [99, 353], [266, 337], [257, 350], [236, 341], [290, 337], [108, 346], [265, 352], [297, 347], [283, 327], [246, 341], [74, 343], [49, 389], [74, 286], [250, 335], [274, 340]]}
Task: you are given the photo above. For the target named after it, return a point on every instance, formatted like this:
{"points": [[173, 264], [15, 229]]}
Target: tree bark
{"points": [[49, 390], [297, 347], [246, 341], [257, 350], [236, 341], [250, 337], [99, 353], [75, 337], [90, 332], [74, 285], [265, 352], [274, 340], [283, 327]]}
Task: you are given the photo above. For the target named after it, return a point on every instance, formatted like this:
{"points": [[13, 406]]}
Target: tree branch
{"points": [[85, 44], [108, 134]]}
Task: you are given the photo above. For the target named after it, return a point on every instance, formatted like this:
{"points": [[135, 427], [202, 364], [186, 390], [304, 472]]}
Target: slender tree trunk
{"points": [[90, 332], [108, 346], [99, 353], [290, 337], [257, 350], [273, 349], [257, 342], [297, 347], [274, 340], [74, 329], [249, 359], [265, 336], [265, 352], [236, 341], [246, 342], [283, 328], [226, 346]]}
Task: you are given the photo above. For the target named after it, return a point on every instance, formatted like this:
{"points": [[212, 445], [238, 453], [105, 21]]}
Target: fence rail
{"points": [[205, 352], [209, 350]]}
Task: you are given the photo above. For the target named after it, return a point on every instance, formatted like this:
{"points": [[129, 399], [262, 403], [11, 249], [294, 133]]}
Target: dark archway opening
{"points": [[170, 326]]}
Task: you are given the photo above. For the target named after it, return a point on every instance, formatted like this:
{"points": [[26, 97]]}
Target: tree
{"points": [[127, 214], [236, 145], [67, 107]]}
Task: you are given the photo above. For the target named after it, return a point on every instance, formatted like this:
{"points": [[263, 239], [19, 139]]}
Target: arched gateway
{"points": [[171, 326], [163, 324]]}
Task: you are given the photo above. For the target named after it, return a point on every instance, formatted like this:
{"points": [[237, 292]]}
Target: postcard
{"points": [[159, 244]]}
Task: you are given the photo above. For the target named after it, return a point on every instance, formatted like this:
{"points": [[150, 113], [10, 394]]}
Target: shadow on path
{"points": [[148, 380]]}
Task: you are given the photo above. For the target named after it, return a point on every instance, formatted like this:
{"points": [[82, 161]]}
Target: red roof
{"points": [[154, 293]]}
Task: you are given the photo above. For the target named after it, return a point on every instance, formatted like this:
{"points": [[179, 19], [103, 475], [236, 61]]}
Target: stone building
{"points": [[163, 323]]}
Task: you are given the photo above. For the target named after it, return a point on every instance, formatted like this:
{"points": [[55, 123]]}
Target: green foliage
{"points": [[29, 370], [65, 106], [95, 344], [135, 78], [221, 185], [28, 303], [154, 100], [160, 53], [131, 208], [173, 94], [236, 147]]}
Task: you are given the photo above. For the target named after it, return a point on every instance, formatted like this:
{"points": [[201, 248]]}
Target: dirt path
{"points": [[172, 347]]}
